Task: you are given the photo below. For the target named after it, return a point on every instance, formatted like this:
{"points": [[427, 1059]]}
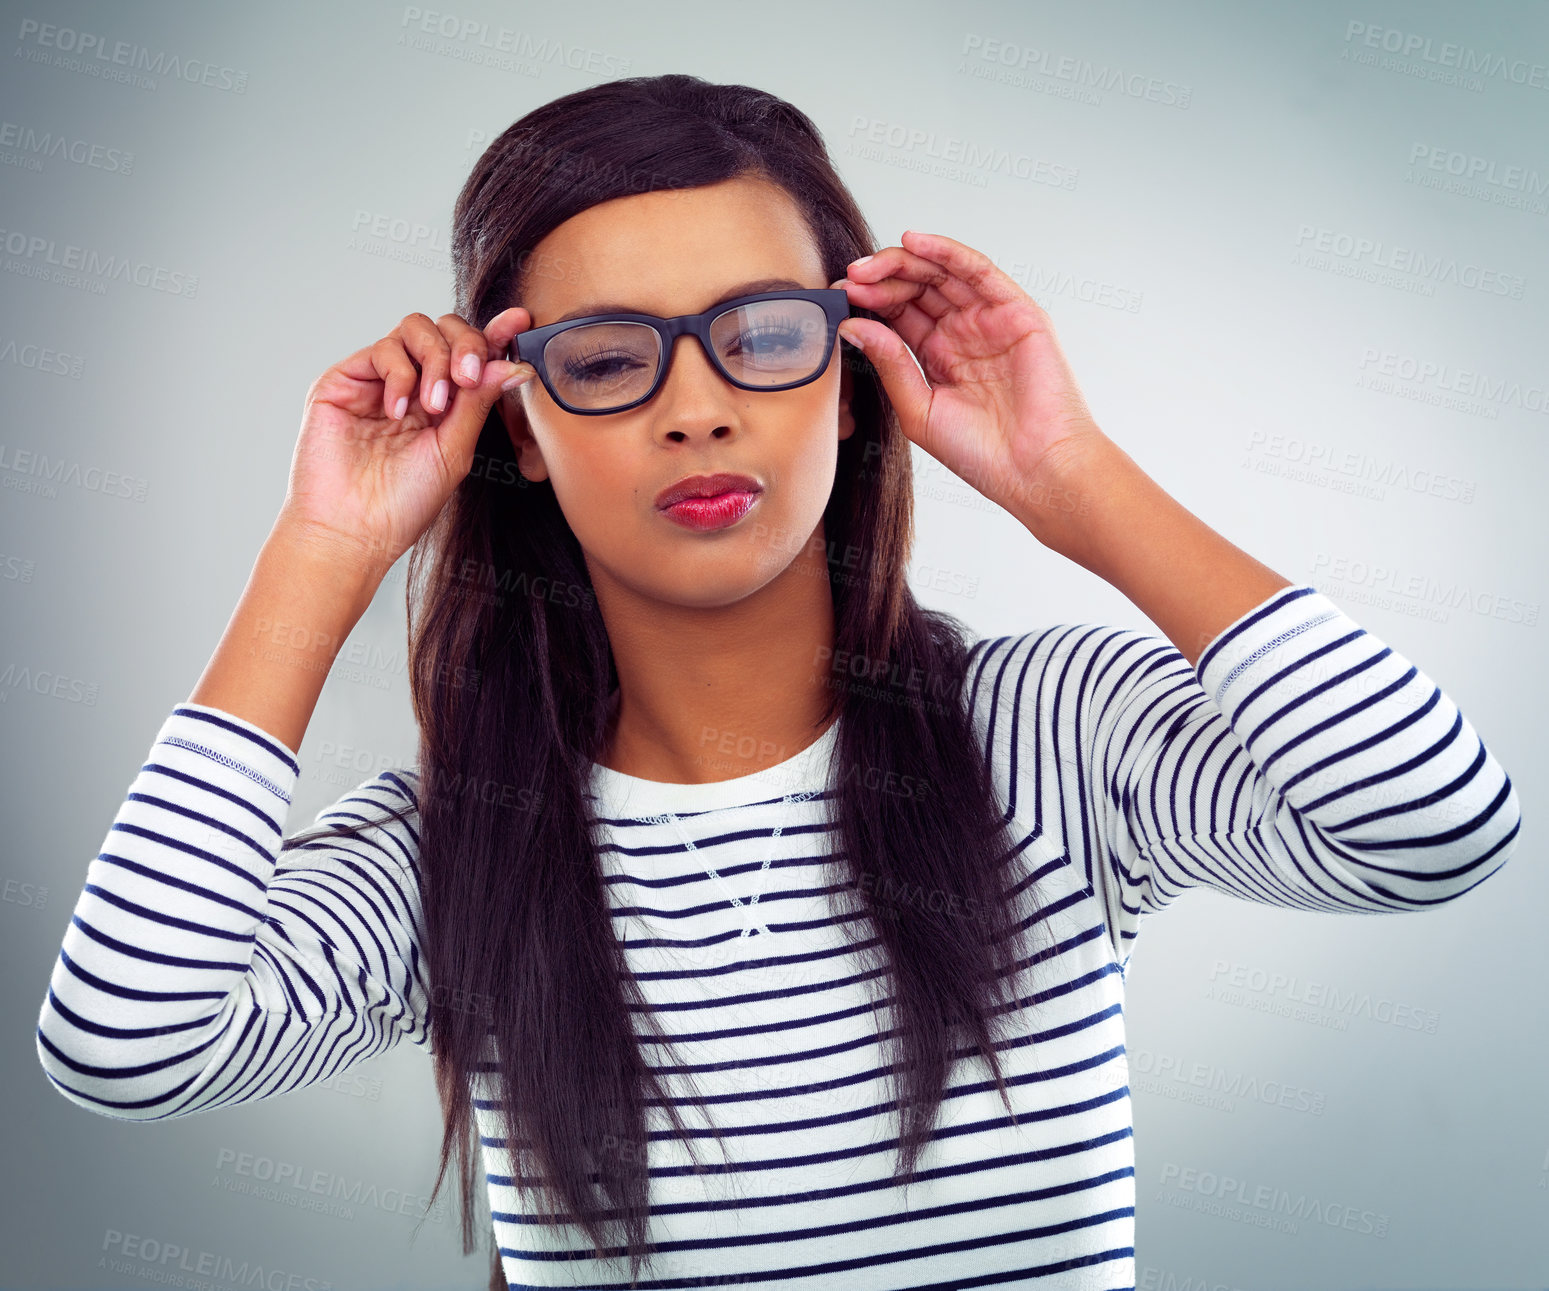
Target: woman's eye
{"points": [[600, 367], [766, 340]]}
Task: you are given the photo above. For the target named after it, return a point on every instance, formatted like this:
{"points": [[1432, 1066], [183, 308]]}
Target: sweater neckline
{"points": [[624, 796]]}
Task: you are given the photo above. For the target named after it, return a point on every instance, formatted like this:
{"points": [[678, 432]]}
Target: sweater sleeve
{"points": [[1302, 762], [203, 966]]}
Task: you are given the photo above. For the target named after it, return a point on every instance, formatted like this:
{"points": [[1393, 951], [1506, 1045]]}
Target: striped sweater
{"points": [[1301, 763]]}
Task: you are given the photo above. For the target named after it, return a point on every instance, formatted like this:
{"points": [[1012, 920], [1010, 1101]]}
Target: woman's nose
{"points": [[691, 372], [694, 396]]}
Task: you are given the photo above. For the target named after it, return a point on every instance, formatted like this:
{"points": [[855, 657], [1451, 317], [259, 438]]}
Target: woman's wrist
{"points": [[340, 563]]}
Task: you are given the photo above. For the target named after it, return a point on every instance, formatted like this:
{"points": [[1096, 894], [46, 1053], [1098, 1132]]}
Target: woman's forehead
{"points": [[669, 252]]}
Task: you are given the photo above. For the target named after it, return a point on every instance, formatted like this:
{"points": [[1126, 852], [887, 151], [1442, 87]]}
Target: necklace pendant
{"points": [[751, 926]]}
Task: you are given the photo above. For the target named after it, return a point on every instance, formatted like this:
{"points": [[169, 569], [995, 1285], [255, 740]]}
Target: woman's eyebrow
{"points": [[743, 289]]}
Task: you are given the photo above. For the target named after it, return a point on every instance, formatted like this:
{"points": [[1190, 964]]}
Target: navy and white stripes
{"points": [[195, 973], [1302, 763]]}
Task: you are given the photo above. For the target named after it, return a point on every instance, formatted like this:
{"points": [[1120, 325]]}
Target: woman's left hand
{"points": [[998, 405]]}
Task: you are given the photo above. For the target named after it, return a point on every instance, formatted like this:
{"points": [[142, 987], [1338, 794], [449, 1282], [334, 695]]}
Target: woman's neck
{"points": [[713, 694]]}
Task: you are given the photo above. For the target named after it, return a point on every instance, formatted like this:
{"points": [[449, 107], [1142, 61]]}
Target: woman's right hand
{"points": [[376, 459]]}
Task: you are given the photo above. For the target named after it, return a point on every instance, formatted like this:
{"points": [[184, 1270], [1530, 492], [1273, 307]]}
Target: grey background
{"points": [[1240, 362]]}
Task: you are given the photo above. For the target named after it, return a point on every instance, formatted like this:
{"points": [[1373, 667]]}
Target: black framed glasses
{"points": [[775, 340]]}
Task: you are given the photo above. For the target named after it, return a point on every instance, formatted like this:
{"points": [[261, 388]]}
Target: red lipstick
{"points": [[705, 502]]}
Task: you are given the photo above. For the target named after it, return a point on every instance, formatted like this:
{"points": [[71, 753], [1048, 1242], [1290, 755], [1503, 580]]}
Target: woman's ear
{"points": [[529, 457]]}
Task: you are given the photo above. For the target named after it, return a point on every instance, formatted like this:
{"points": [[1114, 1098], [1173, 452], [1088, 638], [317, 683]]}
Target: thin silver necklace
{"points": [[749, 926]]}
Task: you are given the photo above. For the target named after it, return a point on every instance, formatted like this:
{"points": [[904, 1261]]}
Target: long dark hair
{"points": [[511, 674]]}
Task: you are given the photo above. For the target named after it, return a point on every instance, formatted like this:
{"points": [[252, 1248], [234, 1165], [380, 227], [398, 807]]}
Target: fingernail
{"points": [[470, 368], [515, 379], [438, 396], [862, 260]]}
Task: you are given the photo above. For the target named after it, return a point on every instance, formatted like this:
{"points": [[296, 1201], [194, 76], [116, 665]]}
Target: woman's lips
{"points": [[711, 513]]}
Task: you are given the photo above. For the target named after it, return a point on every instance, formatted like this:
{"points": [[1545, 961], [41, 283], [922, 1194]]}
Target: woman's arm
{"points": [[304, 597], [1116, 521], [1300, 762], [203, 967], [205, 964], [1274, 750]]}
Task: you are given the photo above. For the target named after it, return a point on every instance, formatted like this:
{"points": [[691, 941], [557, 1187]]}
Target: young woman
{"points": [[763, 928]]}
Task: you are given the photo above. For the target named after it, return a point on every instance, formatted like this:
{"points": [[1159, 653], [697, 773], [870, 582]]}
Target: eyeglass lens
{"points": [[765, 343]]}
